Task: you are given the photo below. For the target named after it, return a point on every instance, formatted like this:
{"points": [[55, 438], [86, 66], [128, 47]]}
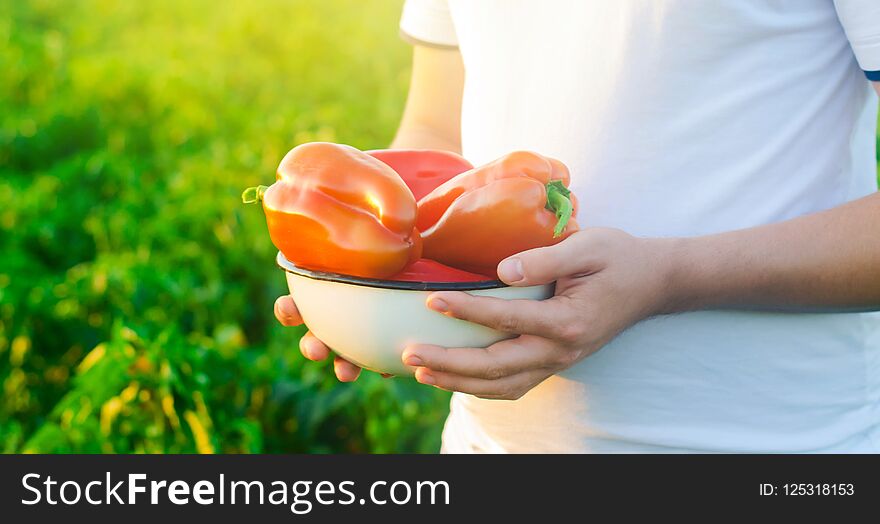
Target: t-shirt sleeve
{"points": [[428, 22], [861, 21]]}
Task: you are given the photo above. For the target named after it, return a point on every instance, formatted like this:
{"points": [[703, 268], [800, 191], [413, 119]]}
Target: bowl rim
{"points": [[289, 267]]}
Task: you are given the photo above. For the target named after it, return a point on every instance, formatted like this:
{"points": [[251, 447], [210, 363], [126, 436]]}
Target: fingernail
{"points": [[413, 360], [510, 270], [426, 378], [438, 305]]}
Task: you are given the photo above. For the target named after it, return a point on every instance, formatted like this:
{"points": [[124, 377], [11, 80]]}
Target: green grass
{"points": [[135, 290]]}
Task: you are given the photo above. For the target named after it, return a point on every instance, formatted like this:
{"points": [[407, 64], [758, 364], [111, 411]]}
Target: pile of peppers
{"points": [[412, 215]]}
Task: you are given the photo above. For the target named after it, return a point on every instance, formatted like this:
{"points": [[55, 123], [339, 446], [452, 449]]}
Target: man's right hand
{"points": [[313, 349]]}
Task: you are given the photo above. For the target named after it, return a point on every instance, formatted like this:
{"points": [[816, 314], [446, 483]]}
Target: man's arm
{"points": [[607, 280], [432, 116], [827, 261]]}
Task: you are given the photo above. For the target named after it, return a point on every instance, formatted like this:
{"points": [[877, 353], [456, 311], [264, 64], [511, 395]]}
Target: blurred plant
{"points": [[135, 292]]}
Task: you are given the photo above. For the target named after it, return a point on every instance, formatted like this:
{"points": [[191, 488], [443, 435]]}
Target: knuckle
{"points": [[601, 236], [450, 385], [553, 256], [565, 359], [509, 323], [459, 304], [510, 394], [539, 264], [443, 381], [570, 332], [436, 364], [493, 372]]}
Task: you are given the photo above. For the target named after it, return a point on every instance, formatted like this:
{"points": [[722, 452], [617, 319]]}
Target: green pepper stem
{"points": [[254, 194], [559, 201]]}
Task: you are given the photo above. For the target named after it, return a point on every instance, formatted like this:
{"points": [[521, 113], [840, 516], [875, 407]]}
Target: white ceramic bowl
{"points": [[370, 322]]}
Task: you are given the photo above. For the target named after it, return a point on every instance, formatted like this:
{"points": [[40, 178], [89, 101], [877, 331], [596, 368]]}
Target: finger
{"points": [[548, 264], [507, 388], [345, 370], [286, 311], [544, 318], [312, 348], [503, 359]]}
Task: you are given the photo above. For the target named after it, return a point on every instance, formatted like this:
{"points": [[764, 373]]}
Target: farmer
{"points": [[718, 297]]}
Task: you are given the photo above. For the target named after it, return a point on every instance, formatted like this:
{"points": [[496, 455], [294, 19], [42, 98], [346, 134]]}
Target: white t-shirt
{"points": [[682, 118]]}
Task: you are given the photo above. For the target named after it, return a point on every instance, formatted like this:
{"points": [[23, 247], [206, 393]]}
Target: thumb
{"points": [[544, 265]]}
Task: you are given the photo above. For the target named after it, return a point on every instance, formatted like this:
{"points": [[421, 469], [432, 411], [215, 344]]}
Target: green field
{"points": [[136, 289]]}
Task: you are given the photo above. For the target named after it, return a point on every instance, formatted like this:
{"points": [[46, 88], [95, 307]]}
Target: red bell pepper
{"points": [[422, 169], [426, 270]]}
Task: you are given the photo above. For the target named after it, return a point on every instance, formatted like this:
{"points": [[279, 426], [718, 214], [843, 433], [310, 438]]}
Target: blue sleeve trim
{"points": [[873, 75]]}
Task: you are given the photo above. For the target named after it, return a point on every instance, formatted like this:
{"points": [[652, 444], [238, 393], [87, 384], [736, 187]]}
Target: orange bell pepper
{"points": [[477, 219], [334, 208]]}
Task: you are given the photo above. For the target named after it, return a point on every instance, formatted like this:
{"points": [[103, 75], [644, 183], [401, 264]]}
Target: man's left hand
{"points": [[606, 280]]}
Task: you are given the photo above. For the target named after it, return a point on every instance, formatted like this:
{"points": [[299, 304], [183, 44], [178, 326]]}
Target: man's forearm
{"points": [[432, 116], [824, 261], [415, 137]]}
